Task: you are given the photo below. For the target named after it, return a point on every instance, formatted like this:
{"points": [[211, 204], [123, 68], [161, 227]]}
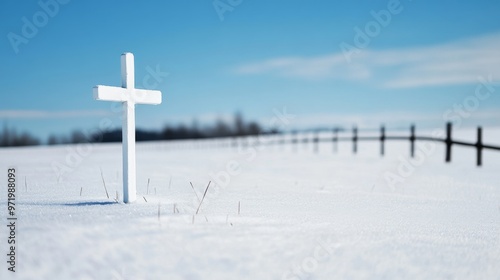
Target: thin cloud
{"points": [[35, 114], [459, 62]]}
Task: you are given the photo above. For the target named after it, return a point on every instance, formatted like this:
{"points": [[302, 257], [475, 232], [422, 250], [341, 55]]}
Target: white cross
{"points": [[129, 96]]}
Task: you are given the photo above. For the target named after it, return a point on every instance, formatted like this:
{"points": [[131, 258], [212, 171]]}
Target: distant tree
{"points": [[239, 125], [221, 129], [78, 137], [5, 136], [10, 137], [182, 132], [108, 136], [167, 133], [253, 128], [196, 133], [26, 139], [143, 135], [64, 140], [52, 140]]}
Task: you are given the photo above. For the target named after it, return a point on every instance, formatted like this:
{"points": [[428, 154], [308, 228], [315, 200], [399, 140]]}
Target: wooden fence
{"points": [[294, 139], [412, 138]]}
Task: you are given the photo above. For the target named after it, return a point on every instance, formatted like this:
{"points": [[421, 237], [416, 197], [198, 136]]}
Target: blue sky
{"points": [[258, 57]]}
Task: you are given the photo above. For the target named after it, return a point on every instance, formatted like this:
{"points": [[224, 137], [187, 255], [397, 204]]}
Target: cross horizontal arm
{"points": [[146, 96], [119, 94], [107, 93]]}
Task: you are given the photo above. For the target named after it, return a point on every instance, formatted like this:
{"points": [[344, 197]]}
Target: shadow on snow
{"points": [[90, 203]]}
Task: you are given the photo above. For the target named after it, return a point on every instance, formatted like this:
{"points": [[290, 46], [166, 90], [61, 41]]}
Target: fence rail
{"points": [[383, 137]]}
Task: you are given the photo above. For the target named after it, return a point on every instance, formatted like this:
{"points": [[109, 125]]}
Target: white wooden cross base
{"points": [[129, 96]]}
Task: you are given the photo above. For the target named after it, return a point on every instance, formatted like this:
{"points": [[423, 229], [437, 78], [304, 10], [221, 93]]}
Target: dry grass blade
{"points": [[195, 191], [159, 211], [104, 183], [147, 188], [145, 199], [81, 189], [197, 210]]}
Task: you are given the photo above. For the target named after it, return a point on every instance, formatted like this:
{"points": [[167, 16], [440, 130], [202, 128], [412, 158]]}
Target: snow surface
{"points": [[303, 215]]}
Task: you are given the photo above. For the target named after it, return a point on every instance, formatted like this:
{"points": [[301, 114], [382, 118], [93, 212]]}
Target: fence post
{"points": [[479, 146], [335, 139], [305, 140], [235, 142], [257, 141], [316, 141], [354, 139], [412, 140], [382, 139], [448, 142], [244, 141], [282, 141]]}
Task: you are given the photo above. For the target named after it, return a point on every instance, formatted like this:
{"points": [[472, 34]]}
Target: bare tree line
{"points": [[9, 137]]}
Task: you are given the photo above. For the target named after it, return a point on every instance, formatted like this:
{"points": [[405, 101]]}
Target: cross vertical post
{"points": [[128, 95], [128, 131]]}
